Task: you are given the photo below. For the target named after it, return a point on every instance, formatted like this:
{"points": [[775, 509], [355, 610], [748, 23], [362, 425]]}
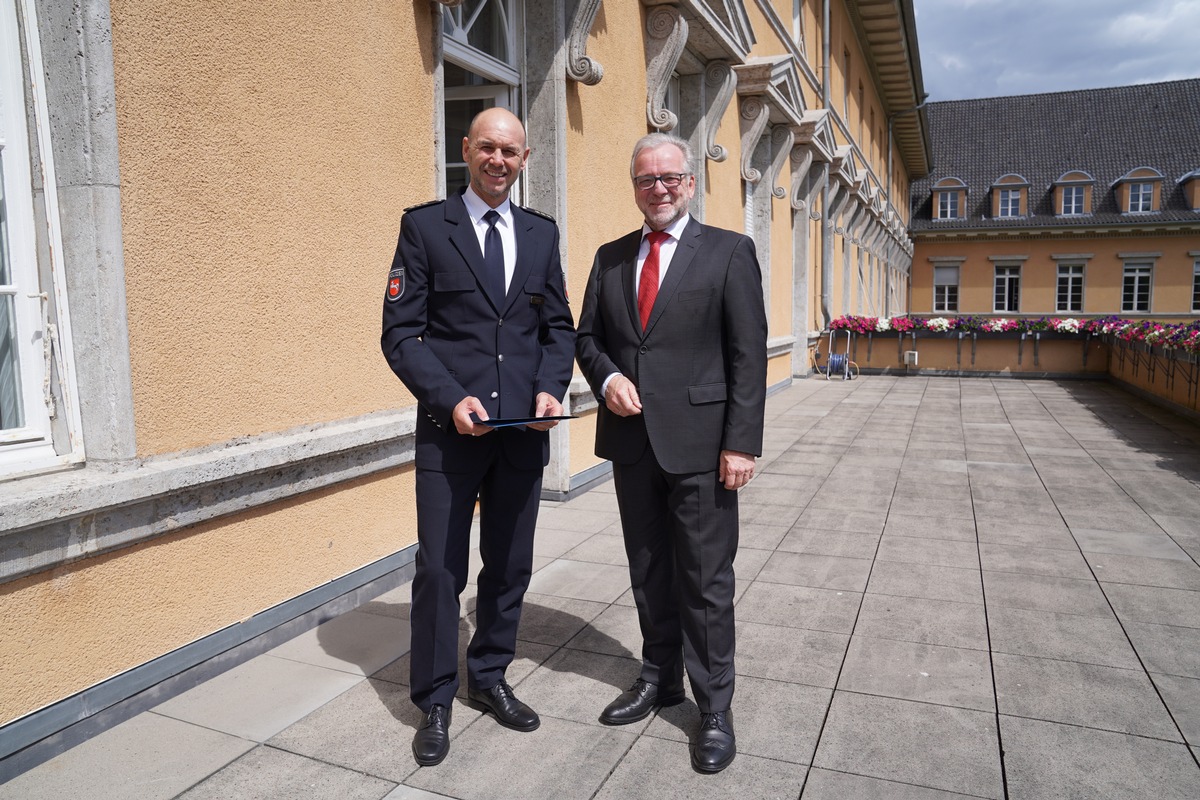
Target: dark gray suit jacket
{"points": [[701, 364]]}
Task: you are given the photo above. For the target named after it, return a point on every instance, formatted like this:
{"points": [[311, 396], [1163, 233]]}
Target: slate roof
{"points": [[1103, 132]]}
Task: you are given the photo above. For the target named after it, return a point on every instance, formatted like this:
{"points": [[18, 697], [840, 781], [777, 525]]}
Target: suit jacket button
{"points": [[495, 395], [500, 357], [643, 349]]}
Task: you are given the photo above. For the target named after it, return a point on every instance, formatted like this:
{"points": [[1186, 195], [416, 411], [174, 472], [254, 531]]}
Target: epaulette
{"points": [[421, 205], [541, 214]]}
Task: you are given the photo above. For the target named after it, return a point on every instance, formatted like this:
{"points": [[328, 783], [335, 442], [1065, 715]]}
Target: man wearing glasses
{"points": [[476, 324], [673, 337]]}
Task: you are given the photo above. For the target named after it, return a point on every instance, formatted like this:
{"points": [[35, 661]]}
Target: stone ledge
{"points": [[53, 519]]}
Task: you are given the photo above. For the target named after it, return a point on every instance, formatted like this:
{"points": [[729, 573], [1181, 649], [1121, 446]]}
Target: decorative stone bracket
{"points": [[580, 66], [719, 77], [667, 36], [752, 119], [782, 138]]}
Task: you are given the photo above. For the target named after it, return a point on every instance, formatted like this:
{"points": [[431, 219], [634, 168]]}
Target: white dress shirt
{"points": [[476, 208]]}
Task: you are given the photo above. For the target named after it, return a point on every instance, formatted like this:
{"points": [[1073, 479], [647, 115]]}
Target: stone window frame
{"points": [[1195, 254], [1136, 265], [1012, 282], [946, 263]]}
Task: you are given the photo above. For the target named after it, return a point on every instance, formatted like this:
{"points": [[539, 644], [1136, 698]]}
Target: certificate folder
{"points": [[508, 422]]}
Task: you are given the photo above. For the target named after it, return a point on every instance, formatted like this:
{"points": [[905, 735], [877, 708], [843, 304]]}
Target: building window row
{"points": [[1139, 191]]}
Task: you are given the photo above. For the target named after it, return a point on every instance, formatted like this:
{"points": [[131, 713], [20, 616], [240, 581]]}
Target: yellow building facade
{"points": [[201, 446]]}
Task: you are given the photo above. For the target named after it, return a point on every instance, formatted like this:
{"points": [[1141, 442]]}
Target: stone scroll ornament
{"points": [[580, 66], [668, 32], [781, 145], [720, 78], [801, 160], [754, 116]]}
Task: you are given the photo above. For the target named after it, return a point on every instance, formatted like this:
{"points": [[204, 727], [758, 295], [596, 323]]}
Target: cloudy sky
{"points": [[991, 48]]}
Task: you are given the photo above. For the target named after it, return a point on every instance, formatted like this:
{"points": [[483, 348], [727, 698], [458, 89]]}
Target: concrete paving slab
{"points": [[795, 655], [355, 642], [926, 581], [600, 548], [799, 607], [1119, 700], [411, 793], [759, 512], [1070, 637], [269, 773], [148, 757], [1111, 516], [368, 729], [601, 583], [614, 632], [1179, 607], [563, 519], [1182, 696], [772, 719], [760, 536], [881, 737], [830, 543], [548, 619], [933, 552], [1167, 573], [527, 658], [1053, 534], [819, 571], [661, 769], [561, 760], [929, 526], [1048, 759], [824, 784], [576, 685], [910, 619], [1028, 560], [1124, 542], [948, 676], [554, 543], [845, 521], [1044, 593], [259, 698], [1166, 648], [941, 507]]}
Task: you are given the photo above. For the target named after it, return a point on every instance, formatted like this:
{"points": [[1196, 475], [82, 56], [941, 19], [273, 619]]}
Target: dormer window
{"points": [[1010, 197], [1140, 191], [949, 199], [1073, 194], [1191, 189]]}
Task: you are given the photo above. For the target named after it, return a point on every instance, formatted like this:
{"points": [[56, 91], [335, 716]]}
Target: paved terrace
{"points": [[946, 588]]}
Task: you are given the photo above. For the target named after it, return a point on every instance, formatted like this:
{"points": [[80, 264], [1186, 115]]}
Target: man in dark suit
{"points": [[476, 324], [673, 337]]}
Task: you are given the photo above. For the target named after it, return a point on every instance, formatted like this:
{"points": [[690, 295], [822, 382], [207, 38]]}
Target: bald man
{"points": [[476, 325]]}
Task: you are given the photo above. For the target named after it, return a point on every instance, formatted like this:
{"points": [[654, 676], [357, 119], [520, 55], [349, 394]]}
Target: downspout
{"points": [[826, 195]]}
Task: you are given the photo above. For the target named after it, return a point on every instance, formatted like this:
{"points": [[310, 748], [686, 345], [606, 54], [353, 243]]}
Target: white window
{"points": [[1072, 200], [1196, 287], [1135, 294], [1010, 202], [482, 69], [948, 205], [1070, 288], [1008, 290], [945, 288], [1141, 197], [34, 364]]}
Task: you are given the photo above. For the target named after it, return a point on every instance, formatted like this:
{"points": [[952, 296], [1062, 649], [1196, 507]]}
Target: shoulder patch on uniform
{"points": [[422, 205], [541, 214], [395, 285]]}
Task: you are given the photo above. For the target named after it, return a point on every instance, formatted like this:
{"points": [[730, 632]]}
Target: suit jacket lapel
{"points": [[522, 227], [462, 236], [628, 273], [685, 251]]}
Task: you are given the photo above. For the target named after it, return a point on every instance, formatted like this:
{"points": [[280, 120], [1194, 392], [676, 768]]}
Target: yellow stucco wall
{"points": [[74, 626], [583, 442], [779, 310], [1103, 274], [264, 168]]}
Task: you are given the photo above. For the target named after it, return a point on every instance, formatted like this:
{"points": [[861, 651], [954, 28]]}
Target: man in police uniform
{"points": [[476, 324]]}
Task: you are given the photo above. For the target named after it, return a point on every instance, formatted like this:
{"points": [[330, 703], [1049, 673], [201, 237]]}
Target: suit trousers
{"points": [[508, 505], [681, 536]]}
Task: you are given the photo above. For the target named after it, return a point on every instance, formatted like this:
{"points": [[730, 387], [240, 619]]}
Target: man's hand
{"points": [[462, 417], [547, 406], [736, 469], [621, 397]]}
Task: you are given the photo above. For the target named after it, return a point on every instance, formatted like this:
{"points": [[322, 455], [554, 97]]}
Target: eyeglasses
{"points": [[669, 181]]}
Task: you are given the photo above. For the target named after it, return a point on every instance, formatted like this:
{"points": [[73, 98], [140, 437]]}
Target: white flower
{"points": [[883, 324], [938, 324], [1067, 326]]}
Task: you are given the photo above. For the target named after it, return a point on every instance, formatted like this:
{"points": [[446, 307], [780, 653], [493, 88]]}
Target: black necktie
{"points": [[493, 257]]}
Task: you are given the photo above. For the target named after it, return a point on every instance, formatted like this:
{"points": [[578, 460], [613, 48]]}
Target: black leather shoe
{"points": [[714, 747], [510, 712], [638, 702], [432, 742]]}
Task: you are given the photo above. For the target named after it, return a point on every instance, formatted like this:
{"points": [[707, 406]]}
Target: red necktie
{"points": [[648, 285]]}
